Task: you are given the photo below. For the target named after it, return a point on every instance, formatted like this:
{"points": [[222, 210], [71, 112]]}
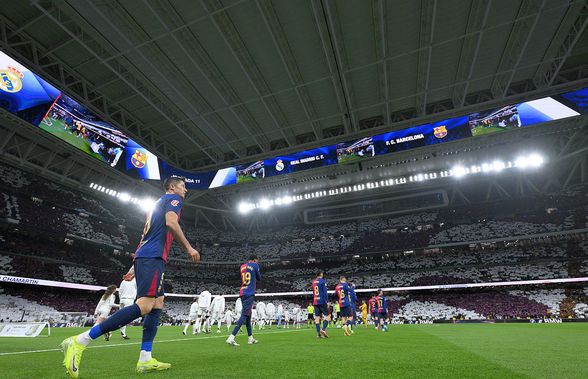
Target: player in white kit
{"points": [[217, 311], [270, 311], [127, 292], [301, 317], [228, 319], [254, 317], [238, 307], [295, 317], [261, 314], [192, 317], [280, 315], [286, 318], [203, 312], [105, 306]]}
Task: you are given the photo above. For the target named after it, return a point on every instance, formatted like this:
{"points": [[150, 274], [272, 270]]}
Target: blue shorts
{"points": [[247, 302], [345, 312], [383, 314], [321, 310], [149, 275]]}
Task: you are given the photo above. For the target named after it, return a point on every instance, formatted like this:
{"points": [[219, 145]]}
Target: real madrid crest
{"points": [[10, 80], [279, 165]]}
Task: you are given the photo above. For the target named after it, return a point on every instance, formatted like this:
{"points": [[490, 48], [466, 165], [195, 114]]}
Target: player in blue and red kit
{"points": [[382, 306], [373, 311], [250, 274], [353, 299], [320, 300], [161, 228], [343, 292]]}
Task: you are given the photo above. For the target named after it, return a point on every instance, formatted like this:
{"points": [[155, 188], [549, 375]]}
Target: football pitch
{"points": [[480, 130], [57, 130], [344, 159], [406, 351]]}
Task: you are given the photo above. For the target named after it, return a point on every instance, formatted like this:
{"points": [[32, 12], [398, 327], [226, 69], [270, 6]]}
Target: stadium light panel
{"points": [[265, 204], [459, 171], [125, 197], [533, 160], [536, 160], [245, 207], [147, 204], [498, 166]]}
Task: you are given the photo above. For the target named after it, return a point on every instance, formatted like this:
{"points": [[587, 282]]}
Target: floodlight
{"points": [[459, 171], [265, 204]]}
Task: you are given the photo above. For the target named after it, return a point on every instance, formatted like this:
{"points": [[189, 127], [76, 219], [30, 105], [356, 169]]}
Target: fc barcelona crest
{"points": [[139, 159], [440, 131]]}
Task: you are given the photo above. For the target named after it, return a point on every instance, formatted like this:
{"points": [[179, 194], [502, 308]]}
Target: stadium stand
{"points": [[56, 226]]}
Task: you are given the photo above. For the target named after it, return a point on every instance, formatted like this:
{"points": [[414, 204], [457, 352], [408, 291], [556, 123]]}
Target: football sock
{"points": [[117, 320], [240, 322], [150, 322], [248, 325]]}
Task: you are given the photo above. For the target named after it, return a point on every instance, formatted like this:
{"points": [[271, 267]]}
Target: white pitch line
{"points": [[138, 343]]}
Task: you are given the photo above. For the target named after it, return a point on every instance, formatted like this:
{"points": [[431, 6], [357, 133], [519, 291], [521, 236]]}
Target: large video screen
{"points": [[74, 124], [422, 135], [303, 160], [202, 180], [29, 97], [518, 115], [577, 100], [32, 99], [250, 172], [23, 93], [354, 151]]}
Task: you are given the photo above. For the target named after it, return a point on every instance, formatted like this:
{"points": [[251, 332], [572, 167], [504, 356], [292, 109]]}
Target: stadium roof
{"points": [[211, 84]]}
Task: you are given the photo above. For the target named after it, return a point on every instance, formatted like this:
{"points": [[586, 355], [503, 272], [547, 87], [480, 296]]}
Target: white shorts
{"points": [[126, 302], [203, 312], [104, 312], [193, 316]]}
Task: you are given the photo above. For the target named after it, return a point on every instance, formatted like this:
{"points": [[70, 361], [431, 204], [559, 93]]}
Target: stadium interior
{"points": [[252, 85]]}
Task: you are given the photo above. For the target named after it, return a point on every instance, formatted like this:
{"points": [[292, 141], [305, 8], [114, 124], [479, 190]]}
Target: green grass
{"points": [[246, 179], [57, 130], [480, 130], [407, 351], [351, 159]]}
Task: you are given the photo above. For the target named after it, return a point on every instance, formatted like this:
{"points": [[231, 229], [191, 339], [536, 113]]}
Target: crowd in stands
{"points": [[65, 235], [470, 306], [43, 259], [15, 308], [21, 303], [44, 205]]}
